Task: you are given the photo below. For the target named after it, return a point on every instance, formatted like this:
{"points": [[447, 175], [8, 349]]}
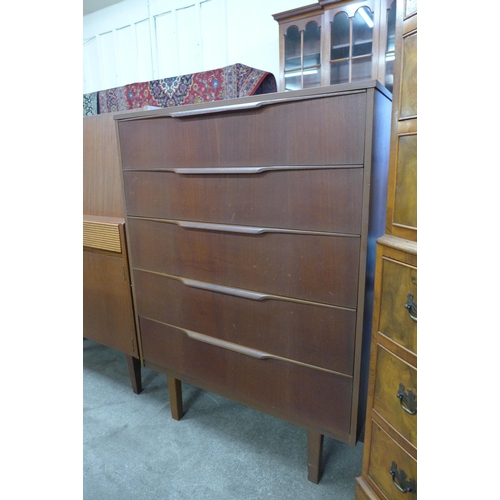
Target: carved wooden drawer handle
{"points": [[227, 228], [217, 109], [252, 105], [399, 480], [408, 400], [235, 292], [224, 344], [250, 230], [253, 170], [411, 306], [253, 353], [221, 170]]}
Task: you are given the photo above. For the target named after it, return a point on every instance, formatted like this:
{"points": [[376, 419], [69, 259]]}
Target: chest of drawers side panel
{"points": [[377, 143]]}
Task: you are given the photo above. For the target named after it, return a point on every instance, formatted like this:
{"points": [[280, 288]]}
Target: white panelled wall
{"points": [[142, 40]]}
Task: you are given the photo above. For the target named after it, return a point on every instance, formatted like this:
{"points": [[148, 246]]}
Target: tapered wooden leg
{"points": [[314, 455], [134, 370], [175, 396]]}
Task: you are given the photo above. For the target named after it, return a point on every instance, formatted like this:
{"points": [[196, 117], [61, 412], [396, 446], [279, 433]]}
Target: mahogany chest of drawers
{"points": [[251, 229], [390, 451]]}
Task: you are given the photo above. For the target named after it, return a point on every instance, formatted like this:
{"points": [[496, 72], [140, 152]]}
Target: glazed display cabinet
{"points": [[335, 42]]}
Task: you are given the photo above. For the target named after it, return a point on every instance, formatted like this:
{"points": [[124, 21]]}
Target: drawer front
{"points": [[316, 335], [327, 200], [319, 268], [396, 393], [398, 281], [387, 455], [286, 133], [321, 399]]}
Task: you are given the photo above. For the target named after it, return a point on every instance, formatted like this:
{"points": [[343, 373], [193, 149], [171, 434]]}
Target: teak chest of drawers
{"points": [[251, 230]]}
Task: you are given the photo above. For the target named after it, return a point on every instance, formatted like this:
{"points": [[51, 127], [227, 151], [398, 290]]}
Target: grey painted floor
{"points": [[219, 450]]}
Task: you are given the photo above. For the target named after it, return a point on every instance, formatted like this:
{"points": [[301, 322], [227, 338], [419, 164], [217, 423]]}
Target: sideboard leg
{"points": [[134, 370], [314, 455], [175, 396]]}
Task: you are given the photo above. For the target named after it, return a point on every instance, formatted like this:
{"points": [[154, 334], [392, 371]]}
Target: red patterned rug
{"points": [[237, 80]]}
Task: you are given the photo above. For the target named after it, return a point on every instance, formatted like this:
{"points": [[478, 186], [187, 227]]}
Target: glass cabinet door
{"points": [[362, 44], [302, 65], [351, 46], [390, 46], [340, 52], [293, 58]]}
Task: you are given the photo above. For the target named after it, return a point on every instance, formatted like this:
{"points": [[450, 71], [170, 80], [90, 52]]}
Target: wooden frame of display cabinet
{"points": [[310, 27]]}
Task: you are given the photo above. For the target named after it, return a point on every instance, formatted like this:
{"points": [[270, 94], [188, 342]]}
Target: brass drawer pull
{"points": [[408, 400], [399, 480], [411, 306]]}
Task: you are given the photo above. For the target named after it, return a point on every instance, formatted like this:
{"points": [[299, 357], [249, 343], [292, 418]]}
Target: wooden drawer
{"points": [[284, 133], [300, 394], [394, 380], [316, 335], [398, 281], [311, 267], [327, 200], [387, 455]]}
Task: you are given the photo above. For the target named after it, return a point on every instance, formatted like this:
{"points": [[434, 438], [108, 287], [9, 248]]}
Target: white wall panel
{"points": [[213, 34], [125, 53], [175, 37], [107, 60], [165, 45], [188, 44], [143, 52], [90, 57]]}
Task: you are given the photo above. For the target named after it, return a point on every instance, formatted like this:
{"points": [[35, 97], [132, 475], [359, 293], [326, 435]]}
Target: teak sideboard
{"points": [[251, 228], [108, 315]]}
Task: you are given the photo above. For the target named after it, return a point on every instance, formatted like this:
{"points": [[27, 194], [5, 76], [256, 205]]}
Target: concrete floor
{"points": [[219, 450]]}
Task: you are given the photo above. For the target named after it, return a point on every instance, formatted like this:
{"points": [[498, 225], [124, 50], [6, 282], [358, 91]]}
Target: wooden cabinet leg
{"points": [[175, 396], [134, 370], [314, 455]]}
